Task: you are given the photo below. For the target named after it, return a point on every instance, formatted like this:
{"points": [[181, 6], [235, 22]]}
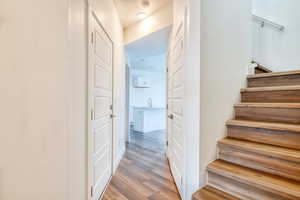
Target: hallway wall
{"points": [[77, 86], [226, 52], [34, 114], [43, 88]]}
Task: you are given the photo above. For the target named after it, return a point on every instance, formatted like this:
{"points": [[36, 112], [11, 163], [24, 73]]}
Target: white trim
{"points": [[118, 160], [192, 108], [127, 100], [89, 125], [167, 103]]}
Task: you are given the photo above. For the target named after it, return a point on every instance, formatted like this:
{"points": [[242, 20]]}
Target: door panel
{"points": [[102, 78], [103, 47], [102, 106], [101, 133], [175, 108], [100, 95]]}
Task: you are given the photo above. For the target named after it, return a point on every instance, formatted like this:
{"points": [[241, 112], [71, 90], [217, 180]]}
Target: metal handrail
{"points": [[266, 21]]}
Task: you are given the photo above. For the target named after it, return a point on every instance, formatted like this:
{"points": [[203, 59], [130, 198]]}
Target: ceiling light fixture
{"points": [[141, 15], [145, 3]]}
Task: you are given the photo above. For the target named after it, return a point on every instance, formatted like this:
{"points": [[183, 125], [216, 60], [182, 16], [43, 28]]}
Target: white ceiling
{"points": [[129, 8], [149, 53]]}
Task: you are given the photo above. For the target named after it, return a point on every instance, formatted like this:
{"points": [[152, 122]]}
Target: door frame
{"points": [[91, 16], [191, 110], [127, 100], [192, 117], [167, 98]]}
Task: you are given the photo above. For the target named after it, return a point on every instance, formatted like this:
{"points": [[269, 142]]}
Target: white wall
{"points": [[34, 107], [77, 100], [277, 50], [43, 78], [160, 19], [225, 55]]}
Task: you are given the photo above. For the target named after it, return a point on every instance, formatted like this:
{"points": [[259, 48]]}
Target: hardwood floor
{"points": [[144, 172]]}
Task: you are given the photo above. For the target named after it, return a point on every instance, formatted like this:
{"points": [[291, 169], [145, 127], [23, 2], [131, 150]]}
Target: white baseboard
{"points": [[119, 158]]}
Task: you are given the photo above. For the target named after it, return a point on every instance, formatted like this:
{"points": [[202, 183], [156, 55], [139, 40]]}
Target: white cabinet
{"points": [[141, 82], [149, 119]]}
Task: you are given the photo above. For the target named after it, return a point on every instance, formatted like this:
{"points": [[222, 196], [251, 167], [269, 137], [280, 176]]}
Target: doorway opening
{"points": [[147, 91]]}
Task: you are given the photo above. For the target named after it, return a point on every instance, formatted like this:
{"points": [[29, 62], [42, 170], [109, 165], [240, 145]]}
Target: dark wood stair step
{"points": [[279, 134], [278, 94], [211, 193], [265, 125], [268, 158], [269, 112], [250, 183], [274, 79]]}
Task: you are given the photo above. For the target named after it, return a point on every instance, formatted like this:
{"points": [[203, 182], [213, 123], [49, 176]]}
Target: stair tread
{"points": [[255, 178], [269, 105], [263, 149], [272, 88], [265, 125], [211, 193], [273, 74]]}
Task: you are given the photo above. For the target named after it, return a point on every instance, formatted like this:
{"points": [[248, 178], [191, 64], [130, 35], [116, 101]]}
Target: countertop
{"points": [[149, 108]]}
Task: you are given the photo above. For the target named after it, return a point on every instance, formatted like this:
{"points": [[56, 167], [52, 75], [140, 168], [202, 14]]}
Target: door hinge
{"points": [[167, 106], [167, 143], [92, 37], [92, 114], [111, 107], [92, 191], [167, 69]]}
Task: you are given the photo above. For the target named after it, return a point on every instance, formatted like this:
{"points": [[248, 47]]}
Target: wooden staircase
{"points": [[260, 158]]}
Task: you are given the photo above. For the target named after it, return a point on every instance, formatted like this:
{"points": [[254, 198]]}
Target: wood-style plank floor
{"points": [[144, 172]]}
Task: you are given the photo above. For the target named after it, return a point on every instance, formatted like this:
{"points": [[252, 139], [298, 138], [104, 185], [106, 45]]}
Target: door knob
{"points": [[171, 116], [113, 116]]}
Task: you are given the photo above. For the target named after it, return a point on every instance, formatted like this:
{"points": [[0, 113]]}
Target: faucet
{"points": [[149, 101]]}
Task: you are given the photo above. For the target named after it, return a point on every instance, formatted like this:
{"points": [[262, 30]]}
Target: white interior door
{"points": [[175, 107], [100, 105]]}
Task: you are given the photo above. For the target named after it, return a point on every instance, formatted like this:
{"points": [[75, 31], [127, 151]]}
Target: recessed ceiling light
{"points": [[141, 15]]}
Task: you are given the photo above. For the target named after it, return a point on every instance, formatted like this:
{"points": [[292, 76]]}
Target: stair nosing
{"points": [[260, 183], [269, 105], [273, 74], [264, 125], [293, 154], [215, 192], [272, 88]]}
